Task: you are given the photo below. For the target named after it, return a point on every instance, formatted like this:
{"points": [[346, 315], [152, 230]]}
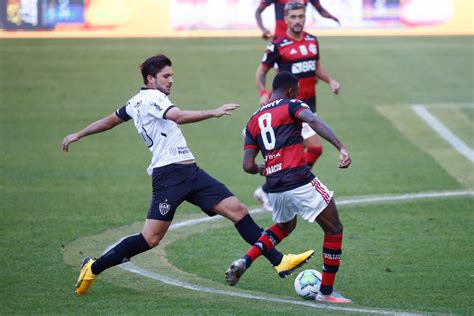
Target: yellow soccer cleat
{"points": [[86, 277], [290, 263]]}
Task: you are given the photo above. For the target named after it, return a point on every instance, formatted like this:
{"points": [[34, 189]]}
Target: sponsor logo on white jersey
{"points": [[175, 151], [303, 66], [156, 106]]}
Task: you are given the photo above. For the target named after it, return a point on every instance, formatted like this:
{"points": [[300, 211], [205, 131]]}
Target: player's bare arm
{"points": [[266, 34], [323, 12], [323, 130], [261, 79], [99, 126], [248, 163], [322, 74], [184, 117]]}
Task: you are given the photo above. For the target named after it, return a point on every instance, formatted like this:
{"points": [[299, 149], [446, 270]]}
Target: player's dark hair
{"points": [[284, 80], [154, 65], [293, 5]]}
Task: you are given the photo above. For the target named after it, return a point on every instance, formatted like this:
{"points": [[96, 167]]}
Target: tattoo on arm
{"points": [[261, 77]]}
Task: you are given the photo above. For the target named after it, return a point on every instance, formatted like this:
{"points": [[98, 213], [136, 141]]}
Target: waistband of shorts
{"points": [[289, 186], [175, 166]]}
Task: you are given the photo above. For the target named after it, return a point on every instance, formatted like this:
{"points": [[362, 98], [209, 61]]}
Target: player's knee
{"points": [[289, 227], [152, 240], [240, 211]]}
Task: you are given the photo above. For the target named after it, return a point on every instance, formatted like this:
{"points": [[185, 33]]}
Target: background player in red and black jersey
{"points": [[298, 52], [280, 27], [275, 131]]}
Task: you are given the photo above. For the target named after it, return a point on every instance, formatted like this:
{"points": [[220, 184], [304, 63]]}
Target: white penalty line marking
{"points": [[130, 267], [443, 131]]}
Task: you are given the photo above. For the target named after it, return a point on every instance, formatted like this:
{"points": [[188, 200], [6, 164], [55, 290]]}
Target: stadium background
{"points": [[184, 18]]}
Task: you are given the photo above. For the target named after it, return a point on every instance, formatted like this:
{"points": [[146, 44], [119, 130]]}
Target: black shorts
{"points": [[175, 183]]}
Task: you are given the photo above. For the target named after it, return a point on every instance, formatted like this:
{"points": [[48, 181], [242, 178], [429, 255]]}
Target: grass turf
{"points": [[50, 88]]}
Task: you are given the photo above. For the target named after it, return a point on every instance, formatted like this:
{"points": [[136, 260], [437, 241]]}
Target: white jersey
{"points": [[163, 137]]}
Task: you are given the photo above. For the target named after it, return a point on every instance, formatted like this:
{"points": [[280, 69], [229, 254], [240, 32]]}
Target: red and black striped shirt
{"points": [[276, 132], [301, 58]]}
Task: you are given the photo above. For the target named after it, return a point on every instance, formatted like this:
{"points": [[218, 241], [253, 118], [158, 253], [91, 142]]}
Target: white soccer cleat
{"points": [[334, 297], [262, 197]]}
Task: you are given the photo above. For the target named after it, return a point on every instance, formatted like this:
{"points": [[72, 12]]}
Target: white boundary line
{"points": [[130, 267], [443, 131]]}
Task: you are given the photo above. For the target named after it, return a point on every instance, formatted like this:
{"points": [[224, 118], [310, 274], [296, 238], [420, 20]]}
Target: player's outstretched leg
{"points": [[86, 277], [291, 262], [127, 248], [267, 241]]}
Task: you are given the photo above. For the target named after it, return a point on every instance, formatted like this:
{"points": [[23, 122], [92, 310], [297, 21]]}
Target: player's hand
{"points": [[266, 35], [68, 140], [225, 109], [344, 159], [261, 169], [335, 86], [336, 19], [264, 98]]}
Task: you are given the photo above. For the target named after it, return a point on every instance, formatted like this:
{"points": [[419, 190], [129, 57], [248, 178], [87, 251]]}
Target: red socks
{"points": [[332, 250], [269, 239]]}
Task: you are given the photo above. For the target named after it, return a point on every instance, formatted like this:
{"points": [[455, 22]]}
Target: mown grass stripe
{"points": [[443, 131]]}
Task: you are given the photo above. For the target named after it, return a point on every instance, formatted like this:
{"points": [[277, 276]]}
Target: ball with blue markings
{"points": [[308, 283]]}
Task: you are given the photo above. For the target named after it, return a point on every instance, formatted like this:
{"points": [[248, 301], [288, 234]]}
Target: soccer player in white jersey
{"points": [[175, 175]]}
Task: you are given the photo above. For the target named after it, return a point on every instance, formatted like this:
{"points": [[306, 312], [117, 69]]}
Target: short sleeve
{"points": [[250, 141], [122, 113], [296, 106], [271, 55], [159, 105]]}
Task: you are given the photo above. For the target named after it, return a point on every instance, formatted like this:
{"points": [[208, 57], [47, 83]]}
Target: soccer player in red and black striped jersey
{"points": [[297, 52], [280, 27], [275, 131]]}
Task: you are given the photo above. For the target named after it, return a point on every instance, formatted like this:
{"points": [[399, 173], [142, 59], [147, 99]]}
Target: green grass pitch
{"points": [[413, 256]]}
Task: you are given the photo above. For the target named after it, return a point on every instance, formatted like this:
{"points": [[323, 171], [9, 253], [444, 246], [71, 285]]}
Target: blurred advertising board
{"points": [[183, 18], [239, 14], [40, 14]]}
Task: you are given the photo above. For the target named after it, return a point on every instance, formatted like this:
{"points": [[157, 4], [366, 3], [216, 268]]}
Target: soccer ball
{"points": [[307, 284]]}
